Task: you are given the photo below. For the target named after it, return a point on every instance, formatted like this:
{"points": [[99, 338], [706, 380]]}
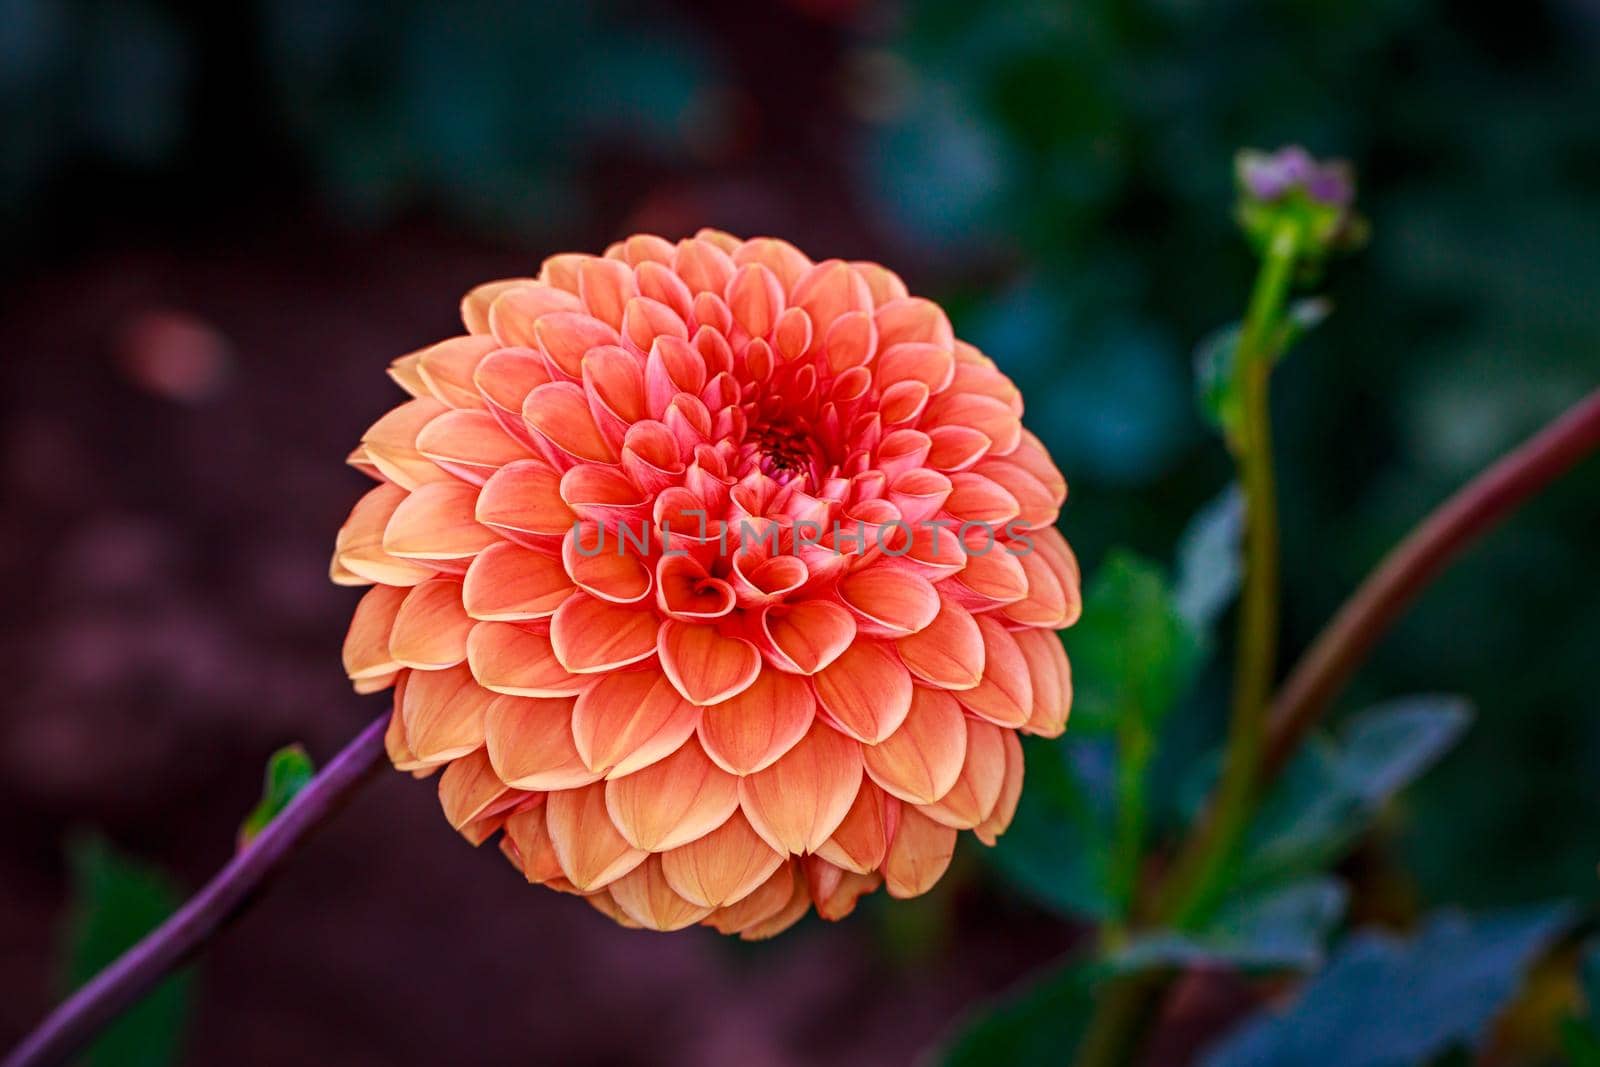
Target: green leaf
{"points": [[288, 771], [1133, 652], [1210, 564], [1058, 847], [1040, 1024], [1386, 1002], [1580, 1043], [1283, 928], [115, 902], [1331, 792]]}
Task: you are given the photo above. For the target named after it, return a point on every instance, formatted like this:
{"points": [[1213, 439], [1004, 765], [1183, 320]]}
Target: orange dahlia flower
{"points": [[718, 581]]}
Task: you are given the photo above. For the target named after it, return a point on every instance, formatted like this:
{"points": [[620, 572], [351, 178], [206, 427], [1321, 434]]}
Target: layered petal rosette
{"points": [[718, 583]]}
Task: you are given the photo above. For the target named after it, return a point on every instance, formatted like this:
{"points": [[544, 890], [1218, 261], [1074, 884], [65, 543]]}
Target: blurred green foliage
{"points": [[289, 770]]}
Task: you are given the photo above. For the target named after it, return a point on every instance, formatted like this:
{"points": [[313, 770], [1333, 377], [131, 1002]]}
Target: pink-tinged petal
{"points": [[673, 801], [469, 444], [902, 451], [976, 499], [468, 787], [807, 636], [903, 402], [866, 692], [613, 379], [1046, 603], [786, 261], [567, 336], [529, 743], [685, 591], [792, 334], [1005, 808], [645, 896], [592, 635], [753, 730], [447, 368], [375, 684], [862, 840], [403, 372], [602, 493], [992, 577], [914, 320], [932, 365], [769, 909], [850, 342], [992, 418], [1033, 457], [672, 367], [644, 319], [504, 379], [437, 521], [949, 652], [650, 456], [1038, 507], [646, 248], [628, 720], [529, 837], [831, 289], [443, 713], [722, 867], [972, 799], [797, 803], [515, 312], [703, 266], [1057, 555], [755, 296], [834, 890], [599, 566], [475, 305], [954, 447], [706, 666], [767, 581], [658, 282], [606, 286], [919, 494], [430, 630], [919, 855], [366, 644], [508, 583], [1051, 677], [391, 443], [358, 554], [394, 738], [561, 271], [591, 852], [921, 761], [559, 413], [509, 659], [359, 460], [889, 602], [523, 501], [1005, 695]]}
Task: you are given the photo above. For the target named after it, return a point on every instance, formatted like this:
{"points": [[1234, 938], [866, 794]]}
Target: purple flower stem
{"points": [[117, 988]]}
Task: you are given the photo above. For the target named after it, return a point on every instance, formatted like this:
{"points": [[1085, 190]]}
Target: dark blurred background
{"points": [[221, 221]]}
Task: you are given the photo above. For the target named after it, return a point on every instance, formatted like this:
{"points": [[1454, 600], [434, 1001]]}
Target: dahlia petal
{"points": [[884, 283], [447, 367], [403, 372], [835, 891], [722, 867], [605, 287], [515, 312], [955, 448], [903, 451], [566, 336], [831, 289], [376, 683], [919, 494], [792, 334], [992, 577], [523, 501], [359, 546], [751, 731], [475, 305], [468, 787], [1037, 505], [921, 761], [862, 839], [755, 296], [978, 500], [685, 591], [430, 629], [673, 801], [504, 379], [797, 803], [529, 743], [644, 319], [591, 852], [703, 266], [443, 713], [889, 602], [913, 320], [613, 379], [650, 456], [530, 837], [647, 898], [706, 666], [469, 444], [972, 799], [598, 565], [949, 653], [391, 443], [1046, 603], [672, 367], [903, 402], [1034, 458], [509, 659], [808, 635], [627, 720], [436, 521], [1005, 695], [508, 583], [366, 644], [590, 635], [1051, 677], [1005, 808], [771, 908], [559, 413], [919, 855], [1053, 549], [932, 365], [660, 283], [993, 418], [850, 342], [782, 258], [643, 248], [866, 692]]}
